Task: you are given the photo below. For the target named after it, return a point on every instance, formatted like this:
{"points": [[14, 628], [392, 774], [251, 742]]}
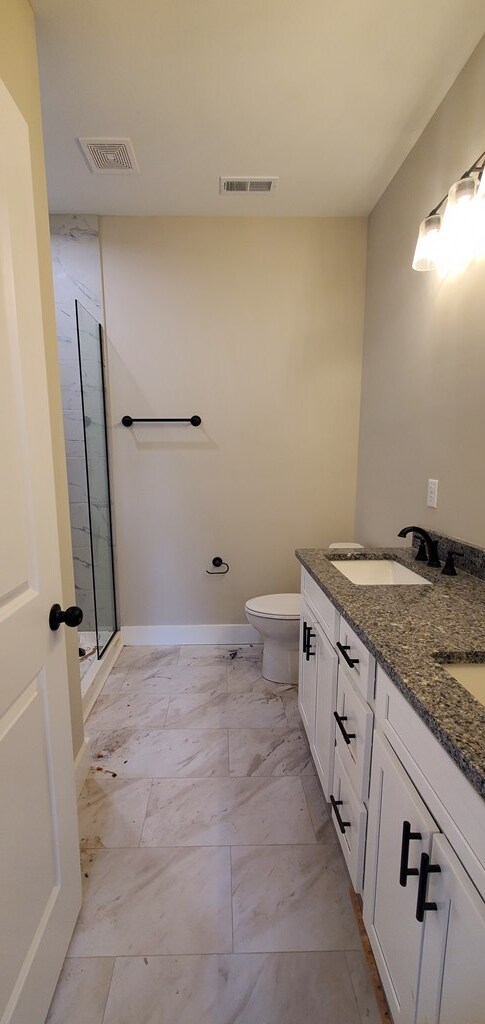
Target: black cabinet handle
{"points": [[343, 648], [340, 719], [72, 616], [425, 869], [308, 653], [407, 835], [341, 824], [305, 634]]}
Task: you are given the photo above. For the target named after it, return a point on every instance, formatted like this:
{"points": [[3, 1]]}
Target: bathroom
{"points": [[331, 381]]}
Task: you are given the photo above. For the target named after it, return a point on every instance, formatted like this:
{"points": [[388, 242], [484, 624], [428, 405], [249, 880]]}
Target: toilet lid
{"points": [[276, 606]]}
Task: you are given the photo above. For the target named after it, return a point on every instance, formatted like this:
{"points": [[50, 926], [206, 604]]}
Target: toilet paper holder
{"points": [[217, 561]]}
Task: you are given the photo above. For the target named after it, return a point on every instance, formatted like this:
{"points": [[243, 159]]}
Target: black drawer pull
{"points": [[308, 653], [305, 632], [340, 719], [425, 869], [407, 835], [341, 824], [343, 648]]}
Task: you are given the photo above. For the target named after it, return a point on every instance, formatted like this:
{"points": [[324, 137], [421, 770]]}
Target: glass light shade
{"points": [[427, 246], [480, 219], [458, 230], [481, 184]]}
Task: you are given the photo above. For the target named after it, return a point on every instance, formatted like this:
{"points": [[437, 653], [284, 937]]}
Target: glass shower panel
{"points": [[90, 344]]}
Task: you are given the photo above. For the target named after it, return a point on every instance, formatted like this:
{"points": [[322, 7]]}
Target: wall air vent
{"points": [[109, 156], [261, 185]]}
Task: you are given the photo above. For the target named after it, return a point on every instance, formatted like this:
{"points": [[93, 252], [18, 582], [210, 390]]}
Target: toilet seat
{"points": [[275, 606]]}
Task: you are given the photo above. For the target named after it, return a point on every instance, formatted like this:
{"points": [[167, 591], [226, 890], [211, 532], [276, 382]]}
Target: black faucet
{"points": [[431, 545], [449, 567]]}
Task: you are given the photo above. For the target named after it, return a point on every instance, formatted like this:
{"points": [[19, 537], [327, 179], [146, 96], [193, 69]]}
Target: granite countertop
{"points": [[410, 630]]}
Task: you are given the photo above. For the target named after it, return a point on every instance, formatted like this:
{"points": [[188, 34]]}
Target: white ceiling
{"points": [[330, 96]]}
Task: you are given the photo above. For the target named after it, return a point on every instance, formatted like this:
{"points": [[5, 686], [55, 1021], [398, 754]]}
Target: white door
{"points": [[389, 907], [39, 862], [452, 986]]}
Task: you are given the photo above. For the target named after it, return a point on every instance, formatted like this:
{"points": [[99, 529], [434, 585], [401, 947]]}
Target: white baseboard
{"points": [[99, 673], [238, 633], [81, 766]]}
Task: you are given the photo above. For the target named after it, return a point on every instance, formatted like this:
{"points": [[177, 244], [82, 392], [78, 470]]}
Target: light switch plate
{"points": [[432, 499]]}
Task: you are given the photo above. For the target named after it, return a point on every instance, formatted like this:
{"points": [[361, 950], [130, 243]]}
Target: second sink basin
{"points": [[383, 572], [471, 676]]}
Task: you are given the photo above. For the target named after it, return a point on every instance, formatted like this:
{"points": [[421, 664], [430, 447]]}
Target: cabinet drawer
{"points": [[362, 671], [325, 611], [353, 815], [354, 720]]}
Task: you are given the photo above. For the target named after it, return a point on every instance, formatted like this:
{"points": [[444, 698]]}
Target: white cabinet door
{"points": [[307, 681], [40, 878], [389, 907], [452, 985], [326, 697]]}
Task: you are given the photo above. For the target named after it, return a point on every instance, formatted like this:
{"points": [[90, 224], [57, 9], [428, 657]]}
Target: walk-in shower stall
{"points": [[79, 310]]}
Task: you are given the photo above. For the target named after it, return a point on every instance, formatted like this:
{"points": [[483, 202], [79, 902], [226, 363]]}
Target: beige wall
{"points": [[18, 69], [423, 395], [256, 325]]}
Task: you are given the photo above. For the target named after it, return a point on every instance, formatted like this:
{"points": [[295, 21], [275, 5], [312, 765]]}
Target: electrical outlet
{"points": [[432, 499]]}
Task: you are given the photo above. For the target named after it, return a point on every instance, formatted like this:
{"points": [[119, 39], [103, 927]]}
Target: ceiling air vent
{"points": [[109, 156], [261, 185]]}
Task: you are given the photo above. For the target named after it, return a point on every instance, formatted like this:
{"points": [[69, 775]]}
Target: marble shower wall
{"points": [[76, 264]]}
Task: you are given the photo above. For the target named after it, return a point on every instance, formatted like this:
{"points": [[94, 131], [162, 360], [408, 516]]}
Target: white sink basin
{"points": [[379, 572], [472, 677]]}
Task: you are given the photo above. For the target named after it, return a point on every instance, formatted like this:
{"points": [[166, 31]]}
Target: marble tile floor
{"points": [[215, 891]]}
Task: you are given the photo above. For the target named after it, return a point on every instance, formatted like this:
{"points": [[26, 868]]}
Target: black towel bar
{"points": [[128, 421]]}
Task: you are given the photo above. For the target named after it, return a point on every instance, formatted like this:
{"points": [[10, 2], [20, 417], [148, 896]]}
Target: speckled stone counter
{"points": [[410, 630]]}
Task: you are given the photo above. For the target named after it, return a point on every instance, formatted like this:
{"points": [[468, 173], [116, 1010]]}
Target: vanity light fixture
{"points": [[427, 246], [449, 240]]}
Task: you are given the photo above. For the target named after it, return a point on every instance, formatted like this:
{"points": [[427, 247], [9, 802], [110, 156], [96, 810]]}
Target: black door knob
{"points": [[72, 616]]}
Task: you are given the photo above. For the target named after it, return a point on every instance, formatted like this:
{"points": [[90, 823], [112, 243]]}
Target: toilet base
{"points": [[280, 662]]}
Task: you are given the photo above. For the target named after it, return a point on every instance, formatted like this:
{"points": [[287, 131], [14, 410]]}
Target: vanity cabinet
{"points": [[410, 825], [424, 914]]}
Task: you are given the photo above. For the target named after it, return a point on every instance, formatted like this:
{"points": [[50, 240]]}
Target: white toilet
{"points": [[277, 618]]}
